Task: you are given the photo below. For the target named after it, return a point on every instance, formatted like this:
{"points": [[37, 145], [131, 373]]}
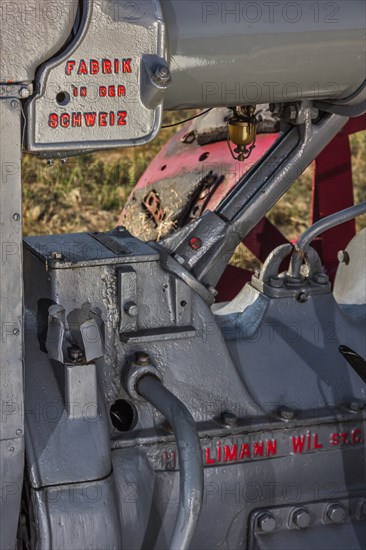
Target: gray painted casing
{"points": [[237, 53], [254, 357]]}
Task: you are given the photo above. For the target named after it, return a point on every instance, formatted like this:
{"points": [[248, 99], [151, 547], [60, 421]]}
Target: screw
{"points": [[195, 243], [19, 433], [75, 353], [301, 518], [16, 331], [321, 278], [337, 513], [343, 257], [131, 309], [286, 413], [356, 406], [14, 104], [162, 74], [24, 92], [229, 418], [267, 523], [142, 359], [57, 255], [16, 216], [276, 282]]}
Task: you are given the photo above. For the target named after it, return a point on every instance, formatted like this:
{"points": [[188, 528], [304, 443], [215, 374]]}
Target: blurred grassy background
{"points": [[88, 192]]}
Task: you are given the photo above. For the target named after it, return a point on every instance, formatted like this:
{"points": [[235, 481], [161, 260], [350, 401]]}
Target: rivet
{"points": [[16, 331], [19, 433], [14, 104], [16, 216]]}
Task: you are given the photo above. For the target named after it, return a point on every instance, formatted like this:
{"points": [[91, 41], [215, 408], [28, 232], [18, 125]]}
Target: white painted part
{"points": [[350, 281]]}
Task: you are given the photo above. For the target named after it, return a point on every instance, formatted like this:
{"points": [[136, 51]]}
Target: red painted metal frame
{"points": [[332, 190]]}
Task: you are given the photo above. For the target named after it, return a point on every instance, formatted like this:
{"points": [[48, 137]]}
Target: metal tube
{"points": [[189, 455], [319, 227]]}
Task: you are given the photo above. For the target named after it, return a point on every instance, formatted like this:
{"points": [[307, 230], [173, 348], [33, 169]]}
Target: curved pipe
{"points": [[189, 454], [318, 228]]}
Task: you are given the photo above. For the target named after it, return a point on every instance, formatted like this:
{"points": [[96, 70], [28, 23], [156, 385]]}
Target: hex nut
{"points": [[336, 513], [267, 523], [301, 518]]}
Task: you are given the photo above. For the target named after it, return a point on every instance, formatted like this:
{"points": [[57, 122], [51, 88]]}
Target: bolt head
{"points": [[229, 418], [19, 433], [343, 257], [24, 92], [337, 513], [57, 255], [195, 243], [162, 74], [356, 406], [131, 309], [321, 278], [16, 216], [302, 297], [267, 523], [16, 331], [301, 518], [75, 353], [142, 359], [286, 413]]}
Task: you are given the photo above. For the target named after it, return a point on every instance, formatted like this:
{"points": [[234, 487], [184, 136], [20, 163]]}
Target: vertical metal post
{"points": [[11, 315]]}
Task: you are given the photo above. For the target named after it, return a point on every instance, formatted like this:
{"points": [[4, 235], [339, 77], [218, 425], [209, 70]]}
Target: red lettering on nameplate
{"points": [[243, 448], [98, 66], [87, 120]]}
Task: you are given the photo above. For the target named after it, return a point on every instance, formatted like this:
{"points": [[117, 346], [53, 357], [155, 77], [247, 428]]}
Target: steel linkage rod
{"points": [[255, 194]]}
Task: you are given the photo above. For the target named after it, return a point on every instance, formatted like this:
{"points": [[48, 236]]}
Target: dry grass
{"points": [[88, 192]]}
